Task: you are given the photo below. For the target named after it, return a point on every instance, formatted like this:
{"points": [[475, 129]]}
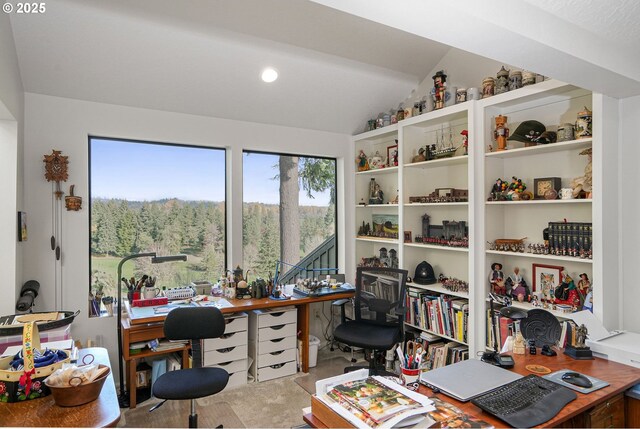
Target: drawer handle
{"points": [[227, 350], [277, 327], [228, 335], [276, 366], [276, 353], [277, 340], [225, 363], [278, 314]]}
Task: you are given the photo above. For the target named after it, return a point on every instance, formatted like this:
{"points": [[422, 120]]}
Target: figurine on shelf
{"points": [[566, 292], [497, 189], [583, 183], [581, 336], [465, 141], [584, 287], [363, 162], [438, 92], [501, 133], [393, 161], [496, 279], [516, 188], [518, 344], [517, 286], [376, 196], [420, 156], [502, 81]]}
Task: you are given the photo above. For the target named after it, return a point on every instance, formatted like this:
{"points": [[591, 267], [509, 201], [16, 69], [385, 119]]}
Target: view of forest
{"points": [[195, 228]]}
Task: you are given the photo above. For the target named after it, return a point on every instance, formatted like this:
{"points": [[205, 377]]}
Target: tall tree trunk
{"points": [[289, 217]]}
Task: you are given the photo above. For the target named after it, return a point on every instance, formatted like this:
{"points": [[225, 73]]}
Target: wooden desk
{"points": [[149, 328], [43, 412], [602, 408]]}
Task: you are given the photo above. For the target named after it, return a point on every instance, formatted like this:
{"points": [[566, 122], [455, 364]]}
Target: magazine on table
{"points": [[374, 402], [447, 415]]}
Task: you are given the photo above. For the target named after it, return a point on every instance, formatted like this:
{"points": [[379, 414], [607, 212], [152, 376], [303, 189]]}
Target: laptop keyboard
{"points": [[526, 402]]}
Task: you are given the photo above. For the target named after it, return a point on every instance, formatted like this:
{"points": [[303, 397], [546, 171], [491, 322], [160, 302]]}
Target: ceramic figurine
{"points": [[420, 156], [583, 183], [496, 279], [515, 79], [488, 87], [517, 286], [566, 293], [501, 133], [583, 124], [400, 113], [502, 81], [473, 94], [376, 196], [438, 92], [461, 95], [518, 344], [363, 162], [465, 141]]}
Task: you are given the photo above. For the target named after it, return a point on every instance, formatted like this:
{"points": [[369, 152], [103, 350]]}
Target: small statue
{"points": [[438, 92], [497, 189], [581, 336], [363, 162], [376, 196], [465, 141], [584, 287], [496, 279], [420, 156], [584, 183], [501, 133], [518, 344], [567, 293], [517, 287]]}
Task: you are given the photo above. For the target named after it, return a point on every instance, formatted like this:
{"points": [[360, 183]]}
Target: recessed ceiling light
{"points": [[269, 75]]}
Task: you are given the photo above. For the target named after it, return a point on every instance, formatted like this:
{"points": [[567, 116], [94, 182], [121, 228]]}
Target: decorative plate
{"points": [[538, 369], [542, 327]]}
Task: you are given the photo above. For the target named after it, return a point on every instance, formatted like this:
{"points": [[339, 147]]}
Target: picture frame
{"points": [[22, 226], [390, 161], [542, 184], [407, 236], [545, 276]]}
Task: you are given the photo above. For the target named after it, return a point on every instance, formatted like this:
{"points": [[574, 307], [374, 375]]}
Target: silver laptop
{"points": [[467, 379]]}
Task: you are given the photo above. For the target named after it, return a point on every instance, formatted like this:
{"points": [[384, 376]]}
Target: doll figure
{"points": [[501, 133], [465, 141], [567, 293], [363, 162], [517, 287], [438, 92], [496, 279], [584, 183], [583, 287]]}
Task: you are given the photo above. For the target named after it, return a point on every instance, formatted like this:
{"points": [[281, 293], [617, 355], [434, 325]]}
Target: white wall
{"points": [[11, 130], [630, 237], [64, 124]]}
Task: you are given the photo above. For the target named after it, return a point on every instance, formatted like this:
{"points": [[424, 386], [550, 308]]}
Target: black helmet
{"points": [[424, 274]]}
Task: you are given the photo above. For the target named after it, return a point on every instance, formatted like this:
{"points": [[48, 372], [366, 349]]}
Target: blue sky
{"points": [[133, 171]]}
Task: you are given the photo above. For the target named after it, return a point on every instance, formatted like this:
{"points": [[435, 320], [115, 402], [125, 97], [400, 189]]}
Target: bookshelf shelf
{"points": [[546, 257], [436, 287], [435, 333]]}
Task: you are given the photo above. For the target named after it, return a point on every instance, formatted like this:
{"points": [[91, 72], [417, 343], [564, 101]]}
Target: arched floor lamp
{"points": [[123, 398]]}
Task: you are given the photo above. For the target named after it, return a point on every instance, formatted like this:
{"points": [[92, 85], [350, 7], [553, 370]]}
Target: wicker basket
{"points": [[72, 396], [11, 389]]}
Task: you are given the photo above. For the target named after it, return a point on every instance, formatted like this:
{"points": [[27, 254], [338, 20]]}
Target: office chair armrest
{"points": [[341, 303]]}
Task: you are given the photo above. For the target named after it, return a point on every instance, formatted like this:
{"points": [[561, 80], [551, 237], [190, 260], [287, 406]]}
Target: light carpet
{"points": [[175, 414]]}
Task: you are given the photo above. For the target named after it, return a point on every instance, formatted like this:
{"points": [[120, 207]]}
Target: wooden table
{"points": [[602, 408], [149, 328], [43, 412]]}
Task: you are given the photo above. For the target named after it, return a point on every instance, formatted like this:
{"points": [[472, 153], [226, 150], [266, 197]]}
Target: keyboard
{"points": [[526, 402]]}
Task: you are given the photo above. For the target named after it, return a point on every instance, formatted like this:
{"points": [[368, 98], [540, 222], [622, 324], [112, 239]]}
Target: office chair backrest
{"points": [[380, 294], [194, 323]]}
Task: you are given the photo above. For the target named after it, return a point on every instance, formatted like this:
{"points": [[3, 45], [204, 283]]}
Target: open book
{"points": [[375, 402]]}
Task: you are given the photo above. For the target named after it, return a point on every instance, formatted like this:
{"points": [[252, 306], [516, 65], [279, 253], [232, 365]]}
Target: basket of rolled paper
{"points": [[22, 375], [74, 385]]}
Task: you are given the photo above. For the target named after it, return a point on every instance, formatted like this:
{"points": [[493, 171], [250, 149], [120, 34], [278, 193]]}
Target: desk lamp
{"points": [[123, 398], [495, 357]]}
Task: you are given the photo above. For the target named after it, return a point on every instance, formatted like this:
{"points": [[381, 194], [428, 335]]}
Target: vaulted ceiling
{"points": [[340, 61]]}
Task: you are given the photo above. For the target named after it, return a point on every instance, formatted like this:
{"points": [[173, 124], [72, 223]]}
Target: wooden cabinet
{"points": [[608, 414]]}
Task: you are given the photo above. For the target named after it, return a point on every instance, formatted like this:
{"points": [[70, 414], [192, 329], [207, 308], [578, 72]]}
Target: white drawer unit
{"points": [[230, 351], [272, 342]]}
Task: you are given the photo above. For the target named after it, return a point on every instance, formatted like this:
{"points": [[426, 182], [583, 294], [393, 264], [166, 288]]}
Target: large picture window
{"points": [[151, 197], [289, 214]]}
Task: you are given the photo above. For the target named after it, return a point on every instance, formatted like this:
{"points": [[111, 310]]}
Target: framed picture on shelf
{"points": [[392, 156], [407, 236], [385, 225], [546, 278]]}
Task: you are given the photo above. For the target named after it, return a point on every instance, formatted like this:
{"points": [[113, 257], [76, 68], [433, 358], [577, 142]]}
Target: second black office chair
{"points": [[195, 324], [378, 312]]}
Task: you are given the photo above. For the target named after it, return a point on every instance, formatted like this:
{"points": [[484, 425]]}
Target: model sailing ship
{"points": [[441, 149]]}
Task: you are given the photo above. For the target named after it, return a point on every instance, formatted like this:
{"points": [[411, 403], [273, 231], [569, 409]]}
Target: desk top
{"points": [[620, 377], [244, 305], [43, 412]]}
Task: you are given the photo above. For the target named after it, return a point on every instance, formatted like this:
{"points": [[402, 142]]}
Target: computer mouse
{"points": [[576, 379]]}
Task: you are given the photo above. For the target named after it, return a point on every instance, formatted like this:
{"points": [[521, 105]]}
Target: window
{"points": [[289, 214], [152, 197]]}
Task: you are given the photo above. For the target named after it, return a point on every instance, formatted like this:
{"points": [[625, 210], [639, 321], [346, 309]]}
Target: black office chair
{"points": [[378, 313], [195, 324]]}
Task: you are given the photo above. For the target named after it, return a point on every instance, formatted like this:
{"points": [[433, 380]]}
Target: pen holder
{"points": [[410, 375]]}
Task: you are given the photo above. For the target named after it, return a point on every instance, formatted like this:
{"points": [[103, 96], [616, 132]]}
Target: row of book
{"points": [[504, 328], [438, 313], [570, 235], [438, 351]]}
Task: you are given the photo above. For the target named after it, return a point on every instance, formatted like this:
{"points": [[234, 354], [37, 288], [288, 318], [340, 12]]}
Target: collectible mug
{"points": [[150, 293], [473, 94], [566, 194]]}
